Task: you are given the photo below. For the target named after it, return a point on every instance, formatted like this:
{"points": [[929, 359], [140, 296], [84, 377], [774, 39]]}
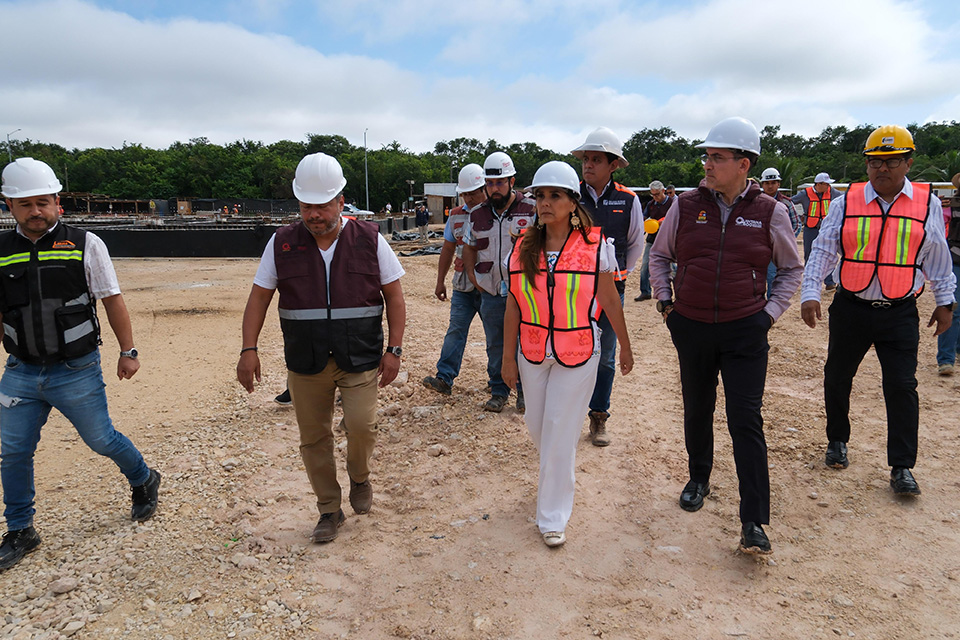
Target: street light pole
{"points": [[366, 174], [10, 153]]}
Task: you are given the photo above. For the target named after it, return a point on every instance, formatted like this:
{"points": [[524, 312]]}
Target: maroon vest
{"points": [[349, 326], [722, 269]]}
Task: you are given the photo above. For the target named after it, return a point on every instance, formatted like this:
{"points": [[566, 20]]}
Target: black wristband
{"points": [[247, 349]]}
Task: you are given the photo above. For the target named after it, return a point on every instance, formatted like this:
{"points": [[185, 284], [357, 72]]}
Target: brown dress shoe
{"points": [[361, 496], [326, 529], [598, 428]]}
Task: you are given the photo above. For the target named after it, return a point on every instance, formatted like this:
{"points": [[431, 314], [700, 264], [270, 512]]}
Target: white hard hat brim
{"points": [[579, 151], [52, 190], [312, 197]]}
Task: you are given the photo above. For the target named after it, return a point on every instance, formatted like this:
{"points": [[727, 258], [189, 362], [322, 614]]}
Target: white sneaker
{"points": [[554, 538]]}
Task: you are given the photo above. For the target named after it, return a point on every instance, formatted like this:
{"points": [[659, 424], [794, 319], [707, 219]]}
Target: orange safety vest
{"points": [[557, 305], [885, 244], [818, 208]]}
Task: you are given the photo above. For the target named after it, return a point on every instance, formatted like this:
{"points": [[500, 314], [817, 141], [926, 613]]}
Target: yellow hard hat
{"points": [[651, 225], [889, 140]]}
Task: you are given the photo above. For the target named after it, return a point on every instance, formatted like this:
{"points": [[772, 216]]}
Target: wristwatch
{"points": [[663, 305], [397, 351], [132, 354], [952, 306]]}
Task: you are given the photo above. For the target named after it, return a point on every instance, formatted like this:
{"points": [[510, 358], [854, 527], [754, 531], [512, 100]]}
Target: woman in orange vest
{"points": [[561, 277]]}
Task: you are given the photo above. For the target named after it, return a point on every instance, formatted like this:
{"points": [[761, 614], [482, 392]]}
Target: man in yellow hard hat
{"points": [[888, 237], [655, 210]]}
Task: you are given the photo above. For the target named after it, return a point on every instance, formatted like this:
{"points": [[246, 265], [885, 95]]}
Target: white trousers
{"points": [[557, 398]]}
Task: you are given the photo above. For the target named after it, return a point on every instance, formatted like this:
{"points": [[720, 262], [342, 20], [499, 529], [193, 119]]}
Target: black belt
{"points": [[876, 304]]}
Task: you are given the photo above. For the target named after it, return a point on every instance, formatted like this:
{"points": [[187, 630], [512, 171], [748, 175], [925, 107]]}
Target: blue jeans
{"points": [[644, 278], [492, 309], [771, 274], [463, 307], [809, 235], [600, 401], [948, 342], [75, 388]]}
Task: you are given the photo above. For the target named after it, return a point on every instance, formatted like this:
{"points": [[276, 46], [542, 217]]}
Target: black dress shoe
{"points": [[691, 498], [837, 455], [642, 297], [903, 482], [753, 540]]}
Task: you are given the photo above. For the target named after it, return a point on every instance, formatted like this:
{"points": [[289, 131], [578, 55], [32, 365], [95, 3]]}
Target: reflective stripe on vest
{"points": [[558, 307], [817, 209], [334, 314], [882, 244]]}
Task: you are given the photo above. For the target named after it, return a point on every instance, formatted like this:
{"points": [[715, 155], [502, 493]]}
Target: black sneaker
{"points": [[753, 540], [437, 385], [284, 398], [495, 404], [17, 544], [145, 498]]}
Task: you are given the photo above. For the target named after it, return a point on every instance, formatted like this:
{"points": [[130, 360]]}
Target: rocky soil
{"points": [[450, 549]]}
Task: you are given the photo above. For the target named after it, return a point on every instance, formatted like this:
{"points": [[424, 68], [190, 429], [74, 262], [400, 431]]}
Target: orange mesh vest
{"points": [[817, 209], [557, 305], [887, 245]]}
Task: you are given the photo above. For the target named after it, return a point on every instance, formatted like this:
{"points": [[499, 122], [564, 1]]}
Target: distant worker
{"points": [[770, 183], [423, 222], [335, 276], [561, 272], [816, 201], [889, 238], [670, 191], [948, 342], [493, 228], [465, 300], [52, 275], [616, 210], [656, 210], [721, 236]]}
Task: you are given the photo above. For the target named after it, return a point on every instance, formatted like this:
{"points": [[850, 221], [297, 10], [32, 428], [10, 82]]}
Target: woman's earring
{"points": [[575, 221]]}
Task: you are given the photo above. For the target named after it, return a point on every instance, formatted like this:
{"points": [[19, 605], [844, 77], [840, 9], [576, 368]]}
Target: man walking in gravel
{"points": [[335, 276], [52, 275]]}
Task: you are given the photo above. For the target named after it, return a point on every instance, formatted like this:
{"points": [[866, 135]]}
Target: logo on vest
{"points": [[702, 217], [285, 247], [64, 244], [742, 222], [522, 222], [615, 203]]}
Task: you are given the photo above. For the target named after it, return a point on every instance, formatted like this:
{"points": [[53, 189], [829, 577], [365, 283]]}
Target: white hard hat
{"points": [[770, 175], [319, 179], [603, 140], [471, 178], [498, 165], [823, 176], [733, 133], [26, 177], [556, 174]]}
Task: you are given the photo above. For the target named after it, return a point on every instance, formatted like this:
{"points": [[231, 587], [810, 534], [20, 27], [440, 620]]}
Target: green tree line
{"points": [[250, 169]]}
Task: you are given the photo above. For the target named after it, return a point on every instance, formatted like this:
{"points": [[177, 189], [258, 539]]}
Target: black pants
{"points": [[895, 335], [736, 350]]}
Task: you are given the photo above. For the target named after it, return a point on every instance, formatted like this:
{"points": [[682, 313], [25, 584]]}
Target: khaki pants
{"points": [[313, 398]]}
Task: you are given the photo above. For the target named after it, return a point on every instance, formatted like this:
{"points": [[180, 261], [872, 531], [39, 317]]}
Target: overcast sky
{"points": [[98, 73]]}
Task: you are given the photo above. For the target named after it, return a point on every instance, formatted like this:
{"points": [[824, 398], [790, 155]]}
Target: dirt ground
{"points": [[450, 549]]}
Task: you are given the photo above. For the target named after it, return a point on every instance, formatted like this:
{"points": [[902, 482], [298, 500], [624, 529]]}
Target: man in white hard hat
{"points": [[488, 240], [616, 210], [656, 210], [465, 299], [815, 202], [883, 240], [335, 276], [770, 183], [52, 275], [722, 237]]}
